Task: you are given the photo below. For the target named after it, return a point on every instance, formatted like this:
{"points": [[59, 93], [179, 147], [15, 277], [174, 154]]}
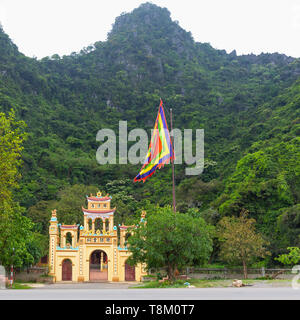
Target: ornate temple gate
{"points": [[94, 251], [129, 272], [98, 266], [67, 270]]}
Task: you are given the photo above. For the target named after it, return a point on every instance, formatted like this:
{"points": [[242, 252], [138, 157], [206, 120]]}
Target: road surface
{"points": [[246, 293]]}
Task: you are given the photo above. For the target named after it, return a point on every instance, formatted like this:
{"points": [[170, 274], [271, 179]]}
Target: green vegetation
{"points": [[220, 283], [170, 240], [165, 284], [17, 285], [239, 243], [247, 105], [292, 258], [19, 245]]}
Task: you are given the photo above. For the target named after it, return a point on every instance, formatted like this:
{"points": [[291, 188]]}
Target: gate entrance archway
{"points": [[98, 266], [67, 270]]}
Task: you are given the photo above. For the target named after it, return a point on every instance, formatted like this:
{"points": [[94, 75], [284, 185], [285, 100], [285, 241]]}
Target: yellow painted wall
{"points": [[81, 256], [62, 255]]}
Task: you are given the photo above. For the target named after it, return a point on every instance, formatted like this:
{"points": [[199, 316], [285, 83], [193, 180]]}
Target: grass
{"points": [[213, 266], [198, 283], [204, 283], [165, 284], [17, 285], [211, 283]]}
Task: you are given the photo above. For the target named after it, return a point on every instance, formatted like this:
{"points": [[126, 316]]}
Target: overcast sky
{"points": [[44, 27]]}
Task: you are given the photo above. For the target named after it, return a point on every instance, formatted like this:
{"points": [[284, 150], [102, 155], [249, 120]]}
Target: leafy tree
{"points": [[170, 241], [11, 138], [267, 184], [15, 237], [239, 242], [263, 179], [292, 258], [40, 214], [70, 201], [38, 246], [289, 225], [15, 229]]}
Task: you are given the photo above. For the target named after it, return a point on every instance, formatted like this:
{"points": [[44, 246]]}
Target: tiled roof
{"points": [[99, 211], [99, 199]]}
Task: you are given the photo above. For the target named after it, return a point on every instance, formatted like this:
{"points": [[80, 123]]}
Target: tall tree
{"points": [[16, 238], [240, 244], [170, 241], [11, 138]]}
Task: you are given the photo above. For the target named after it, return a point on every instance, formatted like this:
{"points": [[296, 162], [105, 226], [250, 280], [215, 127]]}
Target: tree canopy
{"points": [[18, 245], [239, 242], [171, 241]]}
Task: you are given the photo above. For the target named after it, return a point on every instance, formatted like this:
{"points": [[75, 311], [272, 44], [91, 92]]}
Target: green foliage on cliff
{"points": [[247, 105]]}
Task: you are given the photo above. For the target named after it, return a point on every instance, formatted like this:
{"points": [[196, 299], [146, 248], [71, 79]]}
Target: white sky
{"points": [[43, 27]]}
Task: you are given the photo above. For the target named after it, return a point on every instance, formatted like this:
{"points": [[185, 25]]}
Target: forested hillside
{"points": [[248, 106]]}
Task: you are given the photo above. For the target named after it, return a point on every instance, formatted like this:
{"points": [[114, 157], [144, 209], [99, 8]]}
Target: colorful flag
{"points": [[160, 149]]}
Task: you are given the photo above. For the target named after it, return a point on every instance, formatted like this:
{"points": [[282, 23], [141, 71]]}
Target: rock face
{"points": [[237, 283]]}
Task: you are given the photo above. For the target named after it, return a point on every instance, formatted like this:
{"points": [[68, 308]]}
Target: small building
{"points": [[91, 252]]}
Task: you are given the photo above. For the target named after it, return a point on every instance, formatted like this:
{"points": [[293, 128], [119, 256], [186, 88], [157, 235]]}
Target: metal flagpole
{"points": [[173, 169]]}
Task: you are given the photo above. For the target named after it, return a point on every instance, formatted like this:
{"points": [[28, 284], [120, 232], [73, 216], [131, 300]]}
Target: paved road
{"points": [[153, 294]]}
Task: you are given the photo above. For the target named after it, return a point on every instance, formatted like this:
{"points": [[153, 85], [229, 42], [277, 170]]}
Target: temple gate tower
{"points": [[91, 252], [53, 242]]}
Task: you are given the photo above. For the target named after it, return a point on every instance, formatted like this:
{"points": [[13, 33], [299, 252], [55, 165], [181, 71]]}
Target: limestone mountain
{"points": [[246, 104]]}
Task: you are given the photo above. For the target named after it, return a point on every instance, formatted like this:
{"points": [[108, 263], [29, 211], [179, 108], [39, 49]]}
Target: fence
{"points": [[233, 273], [34, 274]]}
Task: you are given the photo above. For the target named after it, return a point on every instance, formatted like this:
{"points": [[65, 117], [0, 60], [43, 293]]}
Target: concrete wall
{"points": [[33, 274]]}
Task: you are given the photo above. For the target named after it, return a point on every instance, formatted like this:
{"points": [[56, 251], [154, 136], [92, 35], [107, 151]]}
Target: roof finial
{"points": [[143, 215], [53, 213]]}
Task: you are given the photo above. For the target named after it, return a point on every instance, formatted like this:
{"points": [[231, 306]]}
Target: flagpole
{"points": [[173, 169]]}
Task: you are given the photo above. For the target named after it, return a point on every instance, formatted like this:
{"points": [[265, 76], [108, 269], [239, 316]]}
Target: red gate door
{"points": [[67, 270], [129, 272]]}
